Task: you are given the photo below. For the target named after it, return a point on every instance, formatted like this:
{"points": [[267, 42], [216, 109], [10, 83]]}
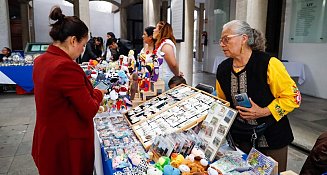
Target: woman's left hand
{"points": [[254, 112]]}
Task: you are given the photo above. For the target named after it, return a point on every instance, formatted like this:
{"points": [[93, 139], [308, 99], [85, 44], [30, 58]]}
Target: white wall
{"points": [[4, 24], [117, 24], [41, 17], [100, 22], [312, 55]]}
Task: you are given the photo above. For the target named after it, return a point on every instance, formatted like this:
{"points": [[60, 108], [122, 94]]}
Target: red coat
{"points": [[66, 103]]}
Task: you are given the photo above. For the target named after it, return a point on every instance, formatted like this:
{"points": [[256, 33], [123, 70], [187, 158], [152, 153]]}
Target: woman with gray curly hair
{"points": [[263, 123]]}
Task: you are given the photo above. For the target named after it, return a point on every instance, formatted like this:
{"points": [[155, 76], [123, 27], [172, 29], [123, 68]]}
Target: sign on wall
{"points": [[308, 21], [178, 19]]}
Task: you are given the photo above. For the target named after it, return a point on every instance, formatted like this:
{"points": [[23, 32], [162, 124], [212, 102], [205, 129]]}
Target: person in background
{"points": [[93, 50], [316, 162], [165, 43], [110, 35], [148, 43], [63, 141], [5, 52], [114, 50], [273, 94], [175, 81], [98, 46], [107, 53]]}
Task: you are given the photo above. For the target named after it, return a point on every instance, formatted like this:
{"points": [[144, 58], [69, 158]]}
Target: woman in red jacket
{"points": [[65, 102]]}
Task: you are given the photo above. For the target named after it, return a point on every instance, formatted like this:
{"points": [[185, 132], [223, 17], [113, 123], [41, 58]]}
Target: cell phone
{"points": [[102, 86], [243, 100]]}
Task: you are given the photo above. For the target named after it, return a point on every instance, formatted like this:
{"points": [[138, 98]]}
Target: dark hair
{"points": [[177, 80], [149, 30], [99, 47], [111, 40], [66, 26], [111, 34], [9, 51]]}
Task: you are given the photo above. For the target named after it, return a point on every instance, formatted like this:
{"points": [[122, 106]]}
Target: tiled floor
{"points": [[17, 121]]}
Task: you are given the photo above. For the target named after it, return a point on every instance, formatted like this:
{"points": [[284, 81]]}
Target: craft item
{"points": [[260, 163], [154, 171], [170, 170]]}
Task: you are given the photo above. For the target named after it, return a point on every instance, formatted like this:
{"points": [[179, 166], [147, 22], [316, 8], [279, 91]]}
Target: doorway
{"points": [[274, 26], [135, 26]]}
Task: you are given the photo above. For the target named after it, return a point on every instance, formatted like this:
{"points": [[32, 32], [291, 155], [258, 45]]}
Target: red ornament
{"points": [[155, 50]]}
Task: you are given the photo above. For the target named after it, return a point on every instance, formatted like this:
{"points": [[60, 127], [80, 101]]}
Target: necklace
{"points": [[239, 66], [156, 48]]}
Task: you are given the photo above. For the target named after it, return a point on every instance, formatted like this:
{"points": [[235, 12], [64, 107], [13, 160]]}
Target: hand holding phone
{"points": [[243, 100], [102, 86]]}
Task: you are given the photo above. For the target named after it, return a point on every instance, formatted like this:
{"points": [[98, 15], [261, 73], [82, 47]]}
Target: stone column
{"points": [[123, 22], [24, 8], [199, 33], [241, 9], [76, 8], [151, 12], [257, 14], [31, 22], [4, 24], [186, 48], [83, 6]]}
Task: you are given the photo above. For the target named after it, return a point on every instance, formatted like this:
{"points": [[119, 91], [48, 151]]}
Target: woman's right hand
{"points": [[102, 91]]}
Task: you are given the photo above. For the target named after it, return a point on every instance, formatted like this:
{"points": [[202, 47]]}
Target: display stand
{"points": [[175, 110]]}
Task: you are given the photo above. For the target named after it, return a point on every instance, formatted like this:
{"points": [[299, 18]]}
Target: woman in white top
{"points": [[149, 42], [165, 43]]}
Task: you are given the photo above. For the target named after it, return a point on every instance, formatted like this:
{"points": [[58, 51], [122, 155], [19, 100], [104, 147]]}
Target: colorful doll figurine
{"points": [[134, 85], [155, 73], [123, 79]]}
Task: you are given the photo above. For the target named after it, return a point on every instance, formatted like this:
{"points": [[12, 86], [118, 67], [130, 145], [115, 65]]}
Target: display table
{"points": [[20, 75], [218, 60], [5, 80], [98, 166], [295, 69]]}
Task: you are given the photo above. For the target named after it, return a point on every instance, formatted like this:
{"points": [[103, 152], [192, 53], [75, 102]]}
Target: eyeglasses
{"points": [[226, 39]]}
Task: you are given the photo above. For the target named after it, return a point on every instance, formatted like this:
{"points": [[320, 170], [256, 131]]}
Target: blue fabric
{"points": [[106, 163], [21, 75]]}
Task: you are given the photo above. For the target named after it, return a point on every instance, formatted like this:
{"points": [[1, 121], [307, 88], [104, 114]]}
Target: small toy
{"points": [[134, 85], [184, 168], [123, 79], [176, 159], [135, 158], [162, 162], [170, 170]]}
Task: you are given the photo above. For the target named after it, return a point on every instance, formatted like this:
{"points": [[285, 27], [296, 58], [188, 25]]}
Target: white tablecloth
{"points": [[218, 60], [295, 69], [5, 80]]}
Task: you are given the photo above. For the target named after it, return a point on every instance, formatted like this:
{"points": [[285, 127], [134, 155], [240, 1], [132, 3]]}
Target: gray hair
{"points": [[256, 39]]}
